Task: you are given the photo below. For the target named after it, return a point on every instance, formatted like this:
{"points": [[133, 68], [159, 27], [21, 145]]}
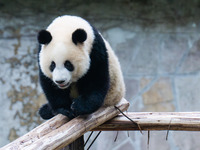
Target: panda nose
{"points": [[60, 81]]}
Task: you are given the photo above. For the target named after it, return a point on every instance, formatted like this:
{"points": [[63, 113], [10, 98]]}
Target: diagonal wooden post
{"points": [[57, 132]]}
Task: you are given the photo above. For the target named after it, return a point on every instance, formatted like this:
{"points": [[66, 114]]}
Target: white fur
{"points": [[61, 48], [117, 86], [62, 74]]}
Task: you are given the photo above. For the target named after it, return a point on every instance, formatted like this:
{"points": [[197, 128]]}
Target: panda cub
{"points": [[78, 70]]}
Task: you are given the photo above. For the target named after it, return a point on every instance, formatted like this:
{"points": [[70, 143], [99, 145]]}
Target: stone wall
{"points": [[157, 43]]}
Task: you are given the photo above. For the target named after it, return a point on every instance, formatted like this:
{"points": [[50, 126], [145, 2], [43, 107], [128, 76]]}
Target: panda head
{"points": [[65, 50]]}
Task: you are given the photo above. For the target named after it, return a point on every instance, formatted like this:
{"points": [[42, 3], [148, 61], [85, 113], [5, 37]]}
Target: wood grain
{"points": [[183, 121], [58, 132]]}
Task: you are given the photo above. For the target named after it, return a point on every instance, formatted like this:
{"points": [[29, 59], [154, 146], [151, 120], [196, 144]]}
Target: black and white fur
{"points": [[78, 70]]}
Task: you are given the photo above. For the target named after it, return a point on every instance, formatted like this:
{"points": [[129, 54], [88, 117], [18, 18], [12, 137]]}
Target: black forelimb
{"points": [[94, 86]]}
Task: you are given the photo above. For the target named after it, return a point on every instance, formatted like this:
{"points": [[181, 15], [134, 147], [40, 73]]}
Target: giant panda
{"points": [[78, 70]]}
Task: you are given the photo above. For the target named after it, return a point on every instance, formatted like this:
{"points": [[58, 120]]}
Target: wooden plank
{"points": [[183, 121], [36, 133], [58, 132]]}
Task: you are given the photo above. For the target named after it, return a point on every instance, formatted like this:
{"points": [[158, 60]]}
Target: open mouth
{"points": [[63, 86]]}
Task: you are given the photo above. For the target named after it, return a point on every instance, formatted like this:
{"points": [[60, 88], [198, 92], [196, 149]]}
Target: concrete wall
{"points": [[157, 43]]}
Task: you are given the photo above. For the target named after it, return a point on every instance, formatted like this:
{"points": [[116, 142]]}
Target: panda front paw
{"points": [[86, 105], [65, 112], [79, 107], [45, 112]]}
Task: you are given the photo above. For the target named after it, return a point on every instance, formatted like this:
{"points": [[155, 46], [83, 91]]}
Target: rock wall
{"points": [[157, 43]]}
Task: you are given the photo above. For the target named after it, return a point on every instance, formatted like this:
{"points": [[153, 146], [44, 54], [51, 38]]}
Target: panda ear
{"points": [[79, 36], [44, 37]]}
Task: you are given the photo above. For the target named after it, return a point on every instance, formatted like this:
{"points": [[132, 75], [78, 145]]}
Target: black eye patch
{"points": [[68, 65], [52, 66]]}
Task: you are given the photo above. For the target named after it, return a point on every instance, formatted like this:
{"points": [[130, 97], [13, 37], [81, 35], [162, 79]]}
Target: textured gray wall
{"points": [[157, 43]]}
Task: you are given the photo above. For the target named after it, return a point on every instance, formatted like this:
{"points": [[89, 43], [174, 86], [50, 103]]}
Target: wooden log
{"points": [[184, 121], [37, 133], [56, 133], [75, 145]]}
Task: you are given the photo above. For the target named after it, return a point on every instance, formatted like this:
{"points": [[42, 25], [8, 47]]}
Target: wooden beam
{"points": [[37, 133], [183, 121], [57, 133], [78, 144]]}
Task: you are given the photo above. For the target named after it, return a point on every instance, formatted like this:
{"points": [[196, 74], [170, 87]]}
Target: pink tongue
{"points": [[62, 85]]}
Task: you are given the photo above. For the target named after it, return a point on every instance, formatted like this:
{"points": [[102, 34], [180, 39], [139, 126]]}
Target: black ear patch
{"points": [[44, 37], [79, 36]]}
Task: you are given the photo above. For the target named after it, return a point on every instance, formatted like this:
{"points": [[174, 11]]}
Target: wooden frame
{"points": [[59, 132]]}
